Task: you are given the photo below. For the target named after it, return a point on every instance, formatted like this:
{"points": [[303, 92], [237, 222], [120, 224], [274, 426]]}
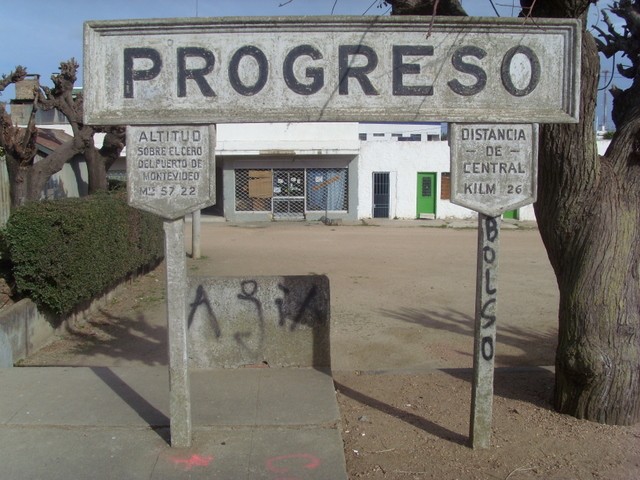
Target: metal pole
{"points": [[485, 331], [195, 234], [179, 394]]}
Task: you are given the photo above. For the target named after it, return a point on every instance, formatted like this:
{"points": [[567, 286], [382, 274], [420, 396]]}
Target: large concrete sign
{"points": [[171, 170], [199, 70], [493, 166]]}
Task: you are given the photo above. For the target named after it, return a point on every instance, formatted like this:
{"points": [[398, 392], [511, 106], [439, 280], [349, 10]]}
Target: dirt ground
{"points": [[402, 299]]}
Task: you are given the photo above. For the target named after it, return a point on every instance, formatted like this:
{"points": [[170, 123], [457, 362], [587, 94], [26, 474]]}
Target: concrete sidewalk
{"points": [[112, 423]]}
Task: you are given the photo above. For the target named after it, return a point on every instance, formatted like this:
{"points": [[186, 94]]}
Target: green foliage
{"points": [[116, 185], [66, 252], [608, 135]]}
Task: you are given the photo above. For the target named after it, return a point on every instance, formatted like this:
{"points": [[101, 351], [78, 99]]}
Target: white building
{"points": [[340, 170]]}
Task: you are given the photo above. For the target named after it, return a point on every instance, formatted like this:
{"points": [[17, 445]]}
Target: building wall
{"points": [[286, 146], [403, 161], [72, 181]]}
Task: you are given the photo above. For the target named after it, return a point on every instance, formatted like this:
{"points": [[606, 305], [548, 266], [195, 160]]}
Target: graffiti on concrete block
{"points": [[296, 313], [248, 319], [248, 291], [199, 300]]}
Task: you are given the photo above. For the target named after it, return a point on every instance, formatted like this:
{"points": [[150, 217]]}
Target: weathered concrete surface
{"points": [[278, 320], [484, 342], [108, 423], [180, 403], [494, 167], [381, 68], [6, 352], [26, 329], [171, 169]]}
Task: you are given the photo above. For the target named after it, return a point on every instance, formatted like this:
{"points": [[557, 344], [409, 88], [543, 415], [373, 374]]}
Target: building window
{"points": [[414, 137], [445, 186], [254, 190], [327, 189], [291, 192]]}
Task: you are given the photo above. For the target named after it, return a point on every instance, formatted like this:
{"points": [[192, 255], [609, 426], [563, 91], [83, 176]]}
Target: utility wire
{"points": [[494, 7], [613, 65], [370, 7]]}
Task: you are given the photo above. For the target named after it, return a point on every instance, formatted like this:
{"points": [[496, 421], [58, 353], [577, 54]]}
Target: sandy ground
{"points": [[402, 300]]}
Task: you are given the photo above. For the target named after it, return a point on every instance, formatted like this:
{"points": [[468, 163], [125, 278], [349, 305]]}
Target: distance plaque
{"points": [[171, 169], [493, 166]]}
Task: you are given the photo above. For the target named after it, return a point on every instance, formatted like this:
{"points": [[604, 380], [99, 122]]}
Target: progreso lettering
{"points": [[142, 64]]}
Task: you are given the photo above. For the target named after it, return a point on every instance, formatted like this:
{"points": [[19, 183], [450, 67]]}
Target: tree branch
{"points": [[18, 74]]}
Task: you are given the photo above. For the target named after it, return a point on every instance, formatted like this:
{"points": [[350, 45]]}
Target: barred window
{"points": [[327, 189], [291, 192], [253, 190]]}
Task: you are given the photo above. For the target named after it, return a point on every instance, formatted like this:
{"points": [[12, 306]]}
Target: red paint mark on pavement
{"points": [[312, 462], [194, 461]]}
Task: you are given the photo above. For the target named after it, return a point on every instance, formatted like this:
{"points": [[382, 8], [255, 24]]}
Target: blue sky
{"points": [[43, 33]]}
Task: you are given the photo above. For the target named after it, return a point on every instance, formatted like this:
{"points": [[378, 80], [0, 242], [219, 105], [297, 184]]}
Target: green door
{"points": [[426, 195], [513, 214]]}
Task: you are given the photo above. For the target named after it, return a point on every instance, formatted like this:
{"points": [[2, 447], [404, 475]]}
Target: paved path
{"points": [[62, 423]]}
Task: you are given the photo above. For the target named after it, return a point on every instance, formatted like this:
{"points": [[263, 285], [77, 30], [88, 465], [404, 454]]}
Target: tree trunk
{"points": [[26, 182], [598, 356], [96, 170], [589, 220]]}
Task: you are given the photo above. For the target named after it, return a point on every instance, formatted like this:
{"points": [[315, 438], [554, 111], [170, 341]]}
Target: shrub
{"points": [[66, 252]]}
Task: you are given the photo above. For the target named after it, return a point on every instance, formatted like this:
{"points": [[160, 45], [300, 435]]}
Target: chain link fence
{"points": [[291, 193]]}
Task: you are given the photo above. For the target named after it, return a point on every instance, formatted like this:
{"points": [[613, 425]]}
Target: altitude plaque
{"points": [[493, 166], [171, 169]]}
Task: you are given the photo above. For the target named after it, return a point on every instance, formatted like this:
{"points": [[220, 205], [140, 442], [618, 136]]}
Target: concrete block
{"points": [[6, 352], [279, 320], [27, 329]]}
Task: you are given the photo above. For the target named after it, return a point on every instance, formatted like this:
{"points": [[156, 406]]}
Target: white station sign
{"points": [[300, 69]]}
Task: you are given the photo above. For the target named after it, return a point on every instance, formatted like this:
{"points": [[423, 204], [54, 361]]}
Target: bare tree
{"points": [[588, 213], [27, 177], [19, 144]]}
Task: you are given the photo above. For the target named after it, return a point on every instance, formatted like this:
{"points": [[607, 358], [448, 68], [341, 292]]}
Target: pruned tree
{"points": [[588, 213], [27, 177], [19, 144]]}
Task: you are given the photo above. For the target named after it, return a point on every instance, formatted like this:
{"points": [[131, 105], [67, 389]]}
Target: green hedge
{"points": [[66, 252]]}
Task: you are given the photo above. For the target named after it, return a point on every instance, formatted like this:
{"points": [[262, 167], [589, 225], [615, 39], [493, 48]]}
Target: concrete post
{"points": [[485, 330], [195, 234], [179, 394]]}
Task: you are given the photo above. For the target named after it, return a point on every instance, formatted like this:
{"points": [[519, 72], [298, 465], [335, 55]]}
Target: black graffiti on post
{"points": [[297, 316], [201, 298], [487, 312], [249, 289]]}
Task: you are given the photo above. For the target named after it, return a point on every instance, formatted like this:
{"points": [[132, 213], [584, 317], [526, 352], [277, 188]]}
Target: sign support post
{"points": [[195, 234], [179, 392], [171, 172], [485, 331], [493, 169]]}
